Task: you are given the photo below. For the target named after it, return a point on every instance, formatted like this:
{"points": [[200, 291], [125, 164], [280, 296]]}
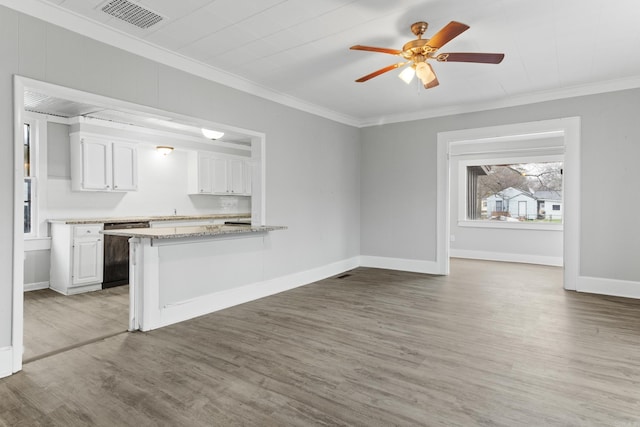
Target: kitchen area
{"points": [[99, 178]]}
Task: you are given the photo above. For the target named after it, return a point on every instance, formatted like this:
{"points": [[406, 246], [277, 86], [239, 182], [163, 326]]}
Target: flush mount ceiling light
{"points": [[165, 150], [212, 134], [417, 52]]}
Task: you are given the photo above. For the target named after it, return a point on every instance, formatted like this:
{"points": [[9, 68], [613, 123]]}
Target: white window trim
{"points": [[462, 190], [510, 225]]}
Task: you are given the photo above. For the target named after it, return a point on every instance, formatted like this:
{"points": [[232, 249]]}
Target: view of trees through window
{"points": [[515, 192]]}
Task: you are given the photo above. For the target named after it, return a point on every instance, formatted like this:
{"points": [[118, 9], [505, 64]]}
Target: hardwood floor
{"points": [[54, 322], [491, 344]]}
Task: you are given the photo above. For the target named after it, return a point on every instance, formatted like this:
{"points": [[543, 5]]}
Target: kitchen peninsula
{"points": [[181, 272], [83, 260]]}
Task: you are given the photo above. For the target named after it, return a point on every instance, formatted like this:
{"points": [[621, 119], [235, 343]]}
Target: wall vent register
{"points": [[131, 13]]}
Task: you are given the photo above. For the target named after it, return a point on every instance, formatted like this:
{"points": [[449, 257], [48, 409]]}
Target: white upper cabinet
{"points": [[102, 164], [237, 173], [219, 175], [96, 172], [125, 166]]}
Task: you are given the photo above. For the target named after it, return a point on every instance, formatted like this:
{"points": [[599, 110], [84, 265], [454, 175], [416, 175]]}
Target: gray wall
{"points": [[36, 266], [312, 164], [399, 180], [58, 151]]}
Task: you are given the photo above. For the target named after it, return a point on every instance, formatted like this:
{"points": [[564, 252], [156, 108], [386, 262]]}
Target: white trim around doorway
{"points": [[11, 357], [569, 129]]}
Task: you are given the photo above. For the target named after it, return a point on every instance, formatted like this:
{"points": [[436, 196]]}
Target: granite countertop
{"points": [[121, 219], [194, 231]]}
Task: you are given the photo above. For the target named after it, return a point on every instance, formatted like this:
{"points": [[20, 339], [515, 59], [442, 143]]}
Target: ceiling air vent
{"points": [[132, 13]]}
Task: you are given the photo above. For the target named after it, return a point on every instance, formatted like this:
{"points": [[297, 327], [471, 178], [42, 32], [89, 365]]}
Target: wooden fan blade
{"points": [[380, 71], [450, 31], [483, 58], [376, 49]]}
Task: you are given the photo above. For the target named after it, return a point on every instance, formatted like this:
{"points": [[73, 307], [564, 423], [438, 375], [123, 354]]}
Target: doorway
{"points": [[160, 124], [567, 130]]}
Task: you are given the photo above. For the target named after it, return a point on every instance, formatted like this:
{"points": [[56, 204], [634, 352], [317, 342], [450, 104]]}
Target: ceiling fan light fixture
{"points": [[425, 72], [418, 51], [407, 75], [212, 134]]}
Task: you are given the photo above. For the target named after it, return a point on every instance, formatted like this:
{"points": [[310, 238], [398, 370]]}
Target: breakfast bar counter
{"points": [[177, 273], [193, 231]]}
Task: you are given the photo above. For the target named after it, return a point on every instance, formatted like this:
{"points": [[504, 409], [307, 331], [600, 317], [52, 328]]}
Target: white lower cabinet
{"points": [[87, 265], [77, 258], [219, 175]]}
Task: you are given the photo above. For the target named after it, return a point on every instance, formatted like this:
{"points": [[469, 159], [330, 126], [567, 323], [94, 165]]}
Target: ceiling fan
{"points": [[419, 51]]}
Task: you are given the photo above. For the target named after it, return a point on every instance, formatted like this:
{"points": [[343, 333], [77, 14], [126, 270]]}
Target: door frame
{"points": [[569, 129]]}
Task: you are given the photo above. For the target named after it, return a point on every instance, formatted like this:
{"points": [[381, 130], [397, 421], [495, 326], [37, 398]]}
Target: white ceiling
{"points": [[299, 49]]}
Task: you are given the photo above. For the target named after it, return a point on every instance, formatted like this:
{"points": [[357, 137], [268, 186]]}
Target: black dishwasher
{"points": [[116, 254]]}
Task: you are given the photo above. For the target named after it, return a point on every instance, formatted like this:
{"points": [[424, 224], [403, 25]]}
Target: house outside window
{"points": [[514, 192]]}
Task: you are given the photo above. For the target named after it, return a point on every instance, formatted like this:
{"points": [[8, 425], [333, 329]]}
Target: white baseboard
{"points": [[412, 265], [614, 287], [507, 257], [6, 361], [189, 309], [35, 286]]}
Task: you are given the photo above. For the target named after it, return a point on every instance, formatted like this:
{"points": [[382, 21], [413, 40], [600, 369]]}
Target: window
{"points": [[29, 179], [514, 192]]}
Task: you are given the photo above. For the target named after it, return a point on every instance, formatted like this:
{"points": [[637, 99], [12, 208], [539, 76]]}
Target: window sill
{"points": [[37, 244], [511, 225]]}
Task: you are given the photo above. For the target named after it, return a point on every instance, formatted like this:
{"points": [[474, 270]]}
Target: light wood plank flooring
{"points": [[491, 344], [53, 321]]}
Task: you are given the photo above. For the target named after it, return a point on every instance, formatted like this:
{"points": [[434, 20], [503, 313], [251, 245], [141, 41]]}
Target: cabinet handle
{"points": [[88, 231], [115, 186]]}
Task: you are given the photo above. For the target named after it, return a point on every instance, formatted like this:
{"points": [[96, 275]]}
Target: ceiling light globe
{"points": [[212, 134]]}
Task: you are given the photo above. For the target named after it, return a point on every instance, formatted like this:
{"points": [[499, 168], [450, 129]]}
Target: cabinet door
{"points": [[219, 177], [205, 179], [96, 164], [237, 176], [125, 167], [87, 261]]}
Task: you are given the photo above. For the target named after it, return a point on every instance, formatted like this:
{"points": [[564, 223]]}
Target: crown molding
{"points": [[71, 21], [509, 101]]}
